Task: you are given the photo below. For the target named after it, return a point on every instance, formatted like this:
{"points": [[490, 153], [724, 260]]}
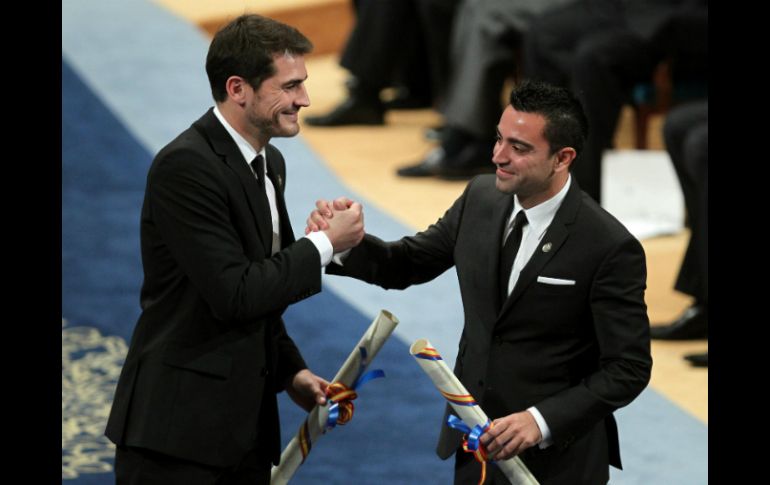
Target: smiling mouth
{"points": [[502, 173]]}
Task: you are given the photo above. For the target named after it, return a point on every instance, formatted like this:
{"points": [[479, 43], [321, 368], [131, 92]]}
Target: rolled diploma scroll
{"points": [[464, 405], [315, 424]]}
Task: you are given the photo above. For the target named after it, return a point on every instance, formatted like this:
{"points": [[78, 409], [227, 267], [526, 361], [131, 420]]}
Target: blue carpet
{"points": [[103, 173], [103, 170]]}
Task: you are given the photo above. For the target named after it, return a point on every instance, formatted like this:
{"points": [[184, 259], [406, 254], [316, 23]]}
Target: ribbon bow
{"points": [[471, 443], [341, 396]]}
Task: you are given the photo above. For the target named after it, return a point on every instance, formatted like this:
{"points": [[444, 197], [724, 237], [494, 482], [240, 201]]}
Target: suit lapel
{"points": [[501, 211], [555, 236], [552, 241], [224, 146]]}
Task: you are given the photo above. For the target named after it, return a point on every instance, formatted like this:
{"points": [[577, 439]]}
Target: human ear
{"points": [[564, 158], [236, 89]]}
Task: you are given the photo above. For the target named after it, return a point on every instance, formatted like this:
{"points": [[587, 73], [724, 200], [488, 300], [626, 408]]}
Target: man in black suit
{"points": [[196, 399], [556, 339]]}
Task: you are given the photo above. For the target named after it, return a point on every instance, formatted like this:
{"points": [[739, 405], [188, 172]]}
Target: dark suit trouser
{"points": [[486, 40], [550, 42], [607, 66], [138, 466], [380, 35], [394, 40], [588, 49], [601, 53], [686, 136]]}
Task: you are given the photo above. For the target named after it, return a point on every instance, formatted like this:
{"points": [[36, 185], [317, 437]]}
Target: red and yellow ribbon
{"points": [[304, 441], [471, 441], [428, 353], [461, 399], [342, 396], [339, 402]]}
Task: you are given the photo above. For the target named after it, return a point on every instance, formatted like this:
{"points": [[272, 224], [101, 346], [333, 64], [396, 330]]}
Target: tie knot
{"points": [[520, 219], [258, 164]]}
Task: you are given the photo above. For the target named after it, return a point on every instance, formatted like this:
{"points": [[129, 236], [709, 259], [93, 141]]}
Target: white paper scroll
{"points": [[464, 405], [315, 424]]}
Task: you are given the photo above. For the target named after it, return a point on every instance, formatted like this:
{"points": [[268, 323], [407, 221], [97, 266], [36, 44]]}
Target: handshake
{"points": [[342, 220]]}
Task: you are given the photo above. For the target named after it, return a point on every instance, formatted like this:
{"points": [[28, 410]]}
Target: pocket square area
{"points": [[555, 281]]}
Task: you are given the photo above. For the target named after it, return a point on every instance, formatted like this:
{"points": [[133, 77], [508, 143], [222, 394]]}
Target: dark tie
{"points": [[258, 164], [508, 253]]}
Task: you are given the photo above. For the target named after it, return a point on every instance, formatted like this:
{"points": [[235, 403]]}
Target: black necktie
{"points": [[258, 164], [508, 253]]}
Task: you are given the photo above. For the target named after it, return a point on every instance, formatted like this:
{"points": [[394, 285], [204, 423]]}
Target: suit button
{"points": [[263, 372], [481, 383]]}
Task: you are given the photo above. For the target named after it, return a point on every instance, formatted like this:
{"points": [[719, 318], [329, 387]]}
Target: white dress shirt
{"points": [[539, 218]]}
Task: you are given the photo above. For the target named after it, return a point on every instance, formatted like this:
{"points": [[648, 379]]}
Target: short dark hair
{"points": [[245, 47], [565, 121]]}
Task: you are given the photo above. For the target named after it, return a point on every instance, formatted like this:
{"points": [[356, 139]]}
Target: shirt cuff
{"points": [[321, 242], [544, 429]]}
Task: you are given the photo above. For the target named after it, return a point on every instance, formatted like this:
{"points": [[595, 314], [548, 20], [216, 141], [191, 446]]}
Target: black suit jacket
{"points": [[210, 349], [576, 352]]}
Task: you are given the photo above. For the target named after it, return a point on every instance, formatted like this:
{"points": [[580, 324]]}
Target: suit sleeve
{"points": [[190, 207], [622, 332], [290, 359], [409, 261]]}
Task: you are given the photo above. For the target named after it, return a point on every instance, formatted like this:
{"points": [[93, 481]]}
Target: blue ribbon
{"points": [[474, 434], [361, 379], [334, 413]]}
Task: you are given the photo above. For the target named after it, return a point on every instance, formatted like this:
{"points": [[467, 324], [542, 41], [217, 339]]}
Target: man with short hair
{"points": [[556, 334], [196, 399]]}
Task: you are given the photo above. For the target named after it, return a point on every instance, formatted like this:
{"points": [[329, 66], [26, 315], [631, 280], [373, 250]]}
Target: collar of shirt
{"points": [[540, 216], [245, 147]]}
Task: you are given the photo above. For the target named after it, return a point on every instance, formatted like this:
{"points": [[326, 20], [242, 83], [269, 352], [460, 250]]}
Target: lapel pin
{"points": [[547, 247]]}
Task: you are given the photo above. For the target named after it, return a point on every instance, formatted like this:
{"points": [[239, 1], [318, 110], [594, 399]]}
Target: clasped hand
{"points": [[342, 220]]}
